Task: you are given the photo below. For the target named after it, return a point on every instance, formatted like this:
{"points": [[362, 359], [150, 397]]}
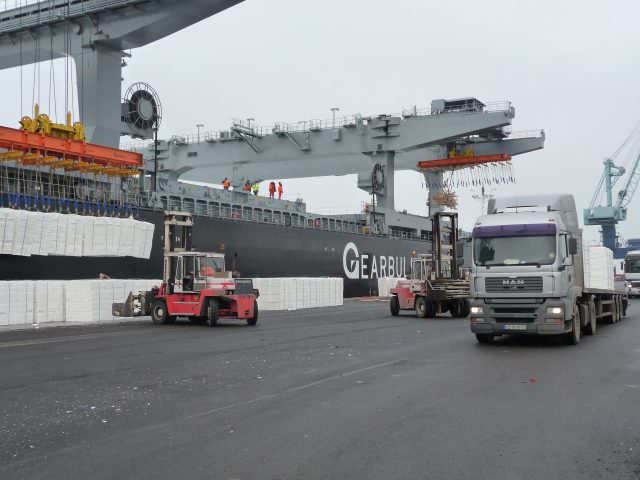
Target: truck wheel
{"points": [[253, 320], [592, 326], [454, 309], [421, 307], [484, 337], [159, 314], [573, 337], [212, 313], [394, 305]]}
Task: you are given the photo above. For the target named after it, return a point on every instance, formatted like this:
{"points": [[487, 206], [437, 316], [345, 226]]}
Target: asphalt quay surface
{"points": [[341, 392]]}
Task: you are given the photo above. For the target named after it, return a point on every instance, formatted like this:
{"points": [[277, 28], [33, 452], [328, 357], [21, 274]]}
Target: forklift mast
{"points": [[177, 238], [446, 251]]}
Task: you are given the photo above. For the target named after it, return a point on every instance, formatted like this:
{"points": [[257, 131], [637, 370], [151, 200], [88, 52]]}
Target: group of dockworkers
{"points": [[255, 187]]}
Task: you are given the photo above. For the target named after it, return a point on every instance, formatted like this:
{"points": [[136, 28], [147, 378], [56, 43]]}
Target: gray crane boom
{"points": [[356, 146]]}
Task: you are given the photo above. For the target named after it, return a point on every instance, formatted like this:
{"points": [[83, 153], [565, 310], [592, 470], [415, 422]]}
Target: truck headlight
{"points": [[476, 310], [554, 310]]}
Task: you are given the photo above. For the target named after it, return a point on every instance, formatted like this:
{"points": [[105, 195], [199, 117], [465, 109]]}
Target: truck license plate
{"points": [[515, 327]]}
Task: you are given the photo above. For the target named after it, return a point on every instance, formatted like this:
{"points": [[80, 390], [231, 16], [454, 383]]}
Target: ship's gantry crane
{"points": [[97, 34], [608, 216], [373, 147]]}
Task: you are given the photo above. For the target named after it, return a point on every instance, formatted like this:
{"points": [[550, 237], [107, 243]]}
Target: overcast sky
{"points": [[571, 67]]}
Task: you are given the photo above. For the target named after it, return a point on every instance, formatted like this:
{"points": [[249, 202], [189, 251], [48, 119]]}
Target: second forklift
{"points": [[438, 283]]}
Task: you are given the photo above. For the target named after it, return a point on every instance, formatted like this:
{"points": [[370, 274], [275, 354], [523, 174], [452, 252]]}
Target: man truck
{"points": [[532, 275]]}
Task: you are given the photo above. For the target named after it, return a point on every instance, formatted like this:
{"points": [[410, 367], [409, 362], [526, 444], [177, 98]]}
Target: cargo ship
{"points": [[261, 237]]}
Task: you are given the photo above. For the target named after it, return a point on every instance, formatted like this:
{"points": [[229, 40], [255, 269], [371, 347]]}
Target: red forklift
{"points": [[437, 284], [195, 285]]}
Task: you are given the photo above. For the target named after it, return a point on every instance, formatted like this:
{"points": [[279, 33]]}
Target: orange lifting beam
{"points": [[460, 162], [22, 143]]}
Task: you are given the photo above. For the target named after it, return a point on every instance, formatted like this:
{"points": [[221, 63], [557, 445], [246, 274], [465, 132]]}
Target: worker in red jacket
{"points": [[280, 190], [226, 183], [272, 189]]}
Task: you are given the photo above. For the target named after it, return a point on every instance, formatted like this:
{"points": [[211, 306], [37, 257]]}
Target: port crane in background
{"points": [[615, 210]]}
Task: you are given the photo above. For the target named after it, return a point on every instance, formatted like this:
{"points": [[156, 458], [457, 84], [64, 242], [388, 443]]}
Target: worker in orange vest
{"points": [[280, 190], [272, 189], [247, 186], [226, 183]]}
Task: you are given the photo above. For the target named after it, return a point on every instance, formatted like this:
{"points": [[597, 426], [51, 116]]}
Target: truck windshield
{"points": [[632, 264], [519, 250]]}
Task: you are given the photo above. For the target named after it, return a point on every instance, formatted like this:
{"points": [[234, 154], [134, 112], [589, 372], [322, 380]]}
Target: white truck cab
{"points": [[527, 271]]}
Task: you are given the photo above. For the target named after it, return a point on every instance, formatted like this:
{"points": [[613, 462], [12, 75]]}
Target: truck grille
{"points": [[513, 284]]}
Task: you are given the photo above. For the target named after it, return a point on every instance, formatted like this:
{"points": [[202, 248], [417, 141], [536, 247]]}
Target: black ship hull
{"points": [[252, 249]]}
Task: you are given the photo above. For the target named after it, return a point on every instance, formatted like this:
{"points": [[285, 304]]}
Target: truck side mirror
{"points": [[459, 249], [573, 246]]}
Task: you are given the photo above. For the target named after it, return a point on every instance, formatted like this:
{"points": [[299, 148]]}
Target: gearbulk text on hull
{"points": [[370, 266]]}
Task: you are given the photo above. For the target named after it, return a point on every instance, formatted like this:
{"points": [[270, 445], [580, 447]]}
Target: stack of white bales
{"points": [[298, 292], [90, 301], [598, 268], [57, 301], [386, 284], [26, 233]]}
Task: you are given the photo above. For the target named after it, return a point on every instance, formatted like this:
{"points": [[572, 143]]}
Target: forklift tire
{"points": [[454, 309], [432, 309], [465, 308], [421, 307], [212, 313], [253, 320], [394, 305], [159, 314]]}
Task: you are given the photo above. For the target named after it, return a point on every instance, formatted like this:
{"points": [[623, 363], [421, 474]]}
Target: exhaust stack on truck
{"points": [[532, 275]]}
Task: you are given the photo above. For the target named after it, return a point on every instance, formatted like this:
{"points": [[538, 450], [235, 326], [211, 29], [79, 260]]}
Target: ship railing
{"points": [[525, 134], [312, 125], [490, 107]]}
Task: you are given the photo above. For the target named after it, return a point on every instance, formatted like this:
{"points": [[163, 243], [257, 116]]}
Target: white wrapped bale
{"points": [[19, 231], [598, 268], [5, 303], [148, 243], [113, 236], [61, 235], [139, 239], [125, 248], [33, 234], [20, 302], [49, 234], [9, 232], [3, 221], [70, 240], [87, 236], [339, 291], [55, 301], [100, 229], [80, 301]]}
